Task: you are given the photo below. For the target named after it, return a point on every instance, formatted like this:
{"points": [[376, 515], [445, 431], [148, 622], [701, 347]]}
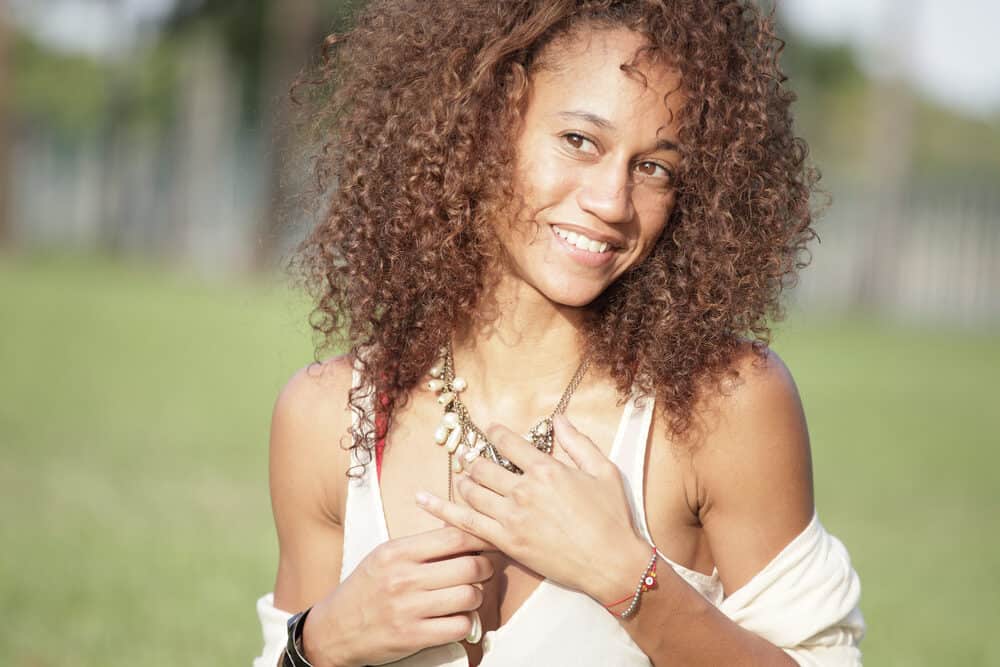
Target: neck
{"points": [[522, 360]]}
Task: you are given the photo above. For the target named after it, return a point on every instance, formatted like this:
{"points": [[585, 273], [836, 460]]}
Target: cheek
{"points": [[653, 218], [546, 182]]}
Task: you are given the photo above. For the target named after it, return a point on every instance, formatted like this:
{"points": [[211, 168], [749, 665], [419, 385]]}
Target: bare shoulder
{"points": [[310, 426], [309, 458], [310, 403], [752, 465]]}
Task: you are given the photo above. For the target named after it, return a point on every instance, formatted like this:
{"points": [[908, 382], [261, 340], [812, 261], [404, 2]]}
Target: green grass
{"points": [[904, 426], [134, 417], [134, 406]]}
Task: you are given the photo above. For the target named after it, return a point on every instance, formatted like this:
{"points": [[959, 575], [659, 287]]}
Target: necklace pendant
{"points": [[542, 436], [463, 441]]}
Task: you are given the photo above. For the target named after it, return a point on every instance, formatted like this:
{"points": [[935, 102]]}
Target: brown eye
{"points": [[577, 141], [652, 169]]}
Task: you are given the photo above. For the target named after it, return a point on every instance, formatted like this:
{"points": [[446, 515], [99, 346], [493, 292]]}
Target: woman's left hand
{"points": [[570, 523]]}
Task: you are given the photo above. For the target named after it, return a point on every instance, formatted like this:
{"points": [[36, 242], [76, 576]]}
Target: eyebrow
{"points": [[605, 124]]}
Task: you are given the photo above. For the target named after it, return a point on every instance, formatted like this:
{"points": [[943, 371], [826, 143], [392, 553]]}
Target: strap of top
{"points": [[630, 456], [631, 460], [362, 525]]}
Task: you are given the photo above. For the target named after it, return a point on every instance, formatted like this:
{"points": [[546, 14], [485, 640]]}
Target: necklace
{"points": [[460, 436]]}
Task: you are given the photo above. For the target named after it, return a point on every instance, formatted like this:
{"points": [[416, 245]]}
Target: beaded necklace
{"points": [[460, 436]]}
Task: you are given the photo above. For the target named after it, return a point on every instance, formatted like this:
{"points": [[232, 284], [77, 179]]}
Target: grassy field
{"points": [[134, 407]]}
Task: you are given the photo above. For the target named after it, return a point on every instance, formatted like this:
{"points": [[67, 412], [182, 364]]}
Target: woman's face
{"points": [[595, 159]]}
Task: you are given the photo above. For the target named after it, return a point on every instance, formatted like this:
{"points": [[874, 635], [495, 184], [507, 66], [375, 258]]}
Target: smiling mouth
{"points": [[583, 242]]}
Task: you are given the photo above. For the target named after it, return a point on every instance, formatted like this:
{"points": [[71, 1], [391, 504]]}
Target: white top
{"points": [[804, 601]]}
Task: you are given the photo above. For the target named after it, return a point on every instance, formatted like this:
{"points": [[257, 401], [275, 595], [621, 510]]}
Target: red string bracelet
{"points": [[647, 582]]}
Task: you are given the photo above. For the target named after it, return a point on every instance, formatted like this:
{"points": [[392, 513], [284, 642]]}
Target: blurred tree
{"points": [[240, 28], [292, 38], [269, 42], [831, 91], [63, 93], [842, 111], [5, 212]]}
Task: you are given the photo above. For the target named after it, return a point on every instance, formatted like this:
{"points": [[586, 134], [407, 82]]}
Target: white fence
{"points": [[933, 256], [198, 198]]}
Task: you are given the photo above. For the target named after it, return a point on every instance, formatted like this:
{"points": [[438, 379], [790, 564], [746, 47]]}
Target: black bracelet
{"points": [[293, 651]]}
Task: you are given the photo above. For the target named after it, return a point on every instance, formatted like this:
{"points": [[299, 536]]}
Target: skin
{"points": [[592, 153], [595, 155]]}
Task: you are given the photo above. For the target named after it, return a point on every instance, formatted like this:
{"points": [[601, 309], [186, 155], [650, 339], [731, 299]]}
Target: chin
{"points": [[575, 296]]}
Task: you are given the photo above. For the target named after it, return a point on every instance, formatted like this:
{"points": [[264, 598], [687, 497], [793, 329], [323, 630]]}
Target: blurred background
{"points": [[151, 187]]}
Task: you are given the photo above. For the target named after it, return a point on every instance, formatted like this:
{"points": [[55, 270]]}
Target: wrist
{"points": [[618, 579], [318, 647]]}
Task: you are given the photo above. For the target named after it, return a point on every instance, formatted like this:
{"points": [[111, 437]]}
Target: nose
{"points": [[607, 193]]}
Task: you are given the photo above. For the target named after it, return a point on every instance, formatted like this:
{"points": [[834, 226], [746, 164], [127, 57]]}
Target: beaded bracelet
{"points": [[646, 582]]}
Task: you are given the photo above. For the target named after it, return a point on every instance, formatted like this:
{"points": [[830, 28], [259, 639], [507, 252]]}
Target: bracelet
{"points": [[646, 582], [293, 651]]}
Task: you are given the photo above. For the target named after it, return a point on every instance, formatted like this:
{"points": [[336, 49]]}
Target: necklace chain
{"points": [[463, 439]]}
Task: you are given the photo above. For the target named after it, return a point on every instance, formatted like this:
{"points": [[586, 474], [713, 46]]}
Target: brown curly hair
{"points": [[418, 105]]}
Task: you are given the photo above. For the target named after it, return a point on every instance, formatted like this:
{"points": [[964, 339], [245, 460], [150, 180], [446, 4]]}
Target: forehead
{"points": [[585, 72]]}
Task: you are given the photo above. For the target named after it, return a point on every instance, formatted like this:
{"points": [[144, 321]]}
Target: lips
{"points": [[581, 242], [584, 256], [587, 239]]}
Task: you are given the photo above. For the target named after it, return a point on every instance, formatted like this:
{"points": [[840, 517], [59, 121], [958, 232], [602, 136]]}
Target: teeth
{"points": [[582, 242]]}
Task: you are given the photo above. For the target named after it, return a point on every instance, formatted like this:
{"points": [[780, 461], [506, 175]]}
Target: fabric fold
{"points": [[805, 601], [274, 627]]}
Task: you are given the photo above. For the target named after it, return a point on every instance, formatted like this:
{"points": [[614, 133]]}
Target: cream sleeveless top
{"points": [[804, 601], [554, 625]]}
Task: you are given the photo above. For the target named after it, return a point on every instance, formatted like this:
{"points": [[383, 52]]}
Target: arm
{"points": [[307, 464], [306, 476], [407, 593], [754, 481]]}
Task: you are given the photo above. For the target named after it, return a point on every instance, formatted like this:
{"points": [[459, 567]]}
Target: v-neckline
{"points": [[383, 523]]}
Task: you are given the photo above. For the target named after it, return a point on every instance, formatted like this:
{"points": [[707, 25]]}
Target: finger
{"points": [[440, 543], [584, 453], [453, 572], [444, 601], [483, 500], [519, 451], [462, 517], [443, 629], [492, 476]]}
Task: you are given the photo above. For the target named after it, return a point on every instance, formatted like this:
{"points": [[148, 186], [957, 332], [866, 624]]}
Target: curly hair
{"points": [[418, 106]]}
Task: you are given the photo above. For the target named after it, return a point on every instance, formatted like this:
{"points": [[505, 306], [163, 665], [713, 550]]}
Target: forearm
{"points": [[675, 625]]}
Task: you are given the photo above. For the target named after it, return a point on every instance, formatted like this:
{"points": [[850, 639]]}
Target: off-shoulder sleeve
{"points": [[805, 601], [274, 627]]}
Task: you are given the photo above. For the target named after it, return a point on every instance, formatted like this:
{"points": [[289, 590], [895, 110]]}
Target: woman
{"points": [[571, 221]]}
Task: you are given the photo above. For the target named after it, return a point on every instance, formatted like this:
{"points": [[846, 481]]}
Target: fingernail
{"points": [[423, 498]]}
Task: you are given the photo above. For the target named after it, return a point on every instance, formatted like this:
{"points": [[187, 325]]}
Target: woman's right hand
{"points": [[407, 594]]}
